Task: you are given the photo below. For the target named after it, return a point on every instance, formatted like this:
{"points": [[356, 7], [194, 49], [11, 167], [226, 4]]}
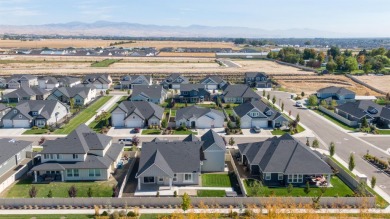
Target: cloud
{"points": [[19, 11], [89, 10]]}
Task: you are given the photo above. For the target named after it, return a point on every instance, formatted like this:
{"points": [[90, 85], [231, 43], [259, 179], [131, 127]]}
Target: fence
{"points": [[365, 84], [240, 183], [15, 176], [338, 117], [133, 160]]}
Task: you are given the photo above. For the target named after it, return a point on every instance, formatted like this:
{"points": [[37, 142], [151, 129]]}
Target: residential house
{"points": [[35, 113], [150, 93], [3, 82], [80, 156], [257, 80], [128, 81], [100, 81], [384, 118], [213, 82], [169, 163], [280, 161], [3, 110], [174, 81], [48, 83], [214, 149], [259, 114], [239, 93], [199, 117], [193, 93], [68, 81], [26, 93], [81, 95], [12, 158], [136, 114], [17, 81], [340, 94]]}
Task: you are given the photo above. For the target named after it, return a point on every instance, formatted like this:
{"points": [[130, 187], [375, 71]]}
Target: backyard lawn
{"points": [[211, 193], [229, 112], [83, 116], [60, 189], [151, 132], [216, 180], [339, 188], [38, 131], [182, 132]]}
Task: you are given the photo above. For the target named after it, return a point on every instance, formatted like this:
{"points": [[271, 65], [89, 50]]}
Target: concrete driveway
{"points": [[9, 132], [263, 133], [121, 132]]}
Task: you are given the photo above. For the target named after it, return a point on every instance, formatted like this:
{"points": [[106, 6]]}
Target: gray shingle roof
{"points": [[171, 157], [68, 80], [26, 92], [191, 137], [195, 111], [239, 90], [255, 74], [71, 92], [49, 80], [361, 108], [211, 137], [145, 110], [215, 78], [10, 147], [3, 107], [245, 108], [284, 155], [171, 79], [152, 91], [131, 78], [45, 109], [335, 90], [102, 78]]}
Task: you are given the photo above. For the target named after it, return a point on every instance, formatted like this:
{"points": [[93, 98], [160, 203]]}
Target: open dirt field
{"points": [[186, 54], [55, 43], [175, 44], [269, 67], [173, 66], [310, 84], [380, 82]]}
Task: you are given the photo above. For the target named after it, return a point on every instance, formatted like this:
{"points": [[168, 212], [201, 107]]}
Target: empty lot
{"points": [[380, 82], [269, 67]]}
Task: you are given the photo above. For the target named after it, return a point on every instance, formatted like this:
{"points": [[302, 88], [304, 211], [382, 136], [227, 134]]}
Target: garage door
{"points": [[117, 120], [260, 123], [7, 123], [21, 124], [134, 124], [211, 87]]}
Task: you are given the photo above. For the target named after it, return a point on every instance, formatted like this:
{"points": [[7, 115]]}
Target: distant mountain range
{"points": [[106, 28]]}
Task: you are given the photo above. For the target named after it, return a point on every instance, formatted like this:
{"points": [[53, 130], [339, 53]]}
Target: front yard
{"points": [[338, 189], [38, 131], [335, 121], [60, 189], [183, 132], [151, 132], [83, 116]]}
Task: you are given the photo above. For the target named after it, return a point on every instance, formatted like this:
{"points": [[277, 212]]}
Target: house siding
{"points": [[12, 162], [214, 161]]}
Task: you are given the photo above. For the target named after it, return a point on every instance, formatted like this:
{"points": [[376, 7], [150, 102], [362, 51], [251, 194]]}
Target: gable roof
{"points": [[49, 80], [10, 147], [101, 78], [71, 92], [26, 91], [45, 109], [80, 141], [217, 79], [145, 110], [132, 78], [211, 137], [245, 108], [284, 155], [151, 91], [195, 111], [335, 90], [171, 157], [239, 90], [255, 74], [171, 79], [191, 137], [68, 80], [3, 107], [361, 108]]}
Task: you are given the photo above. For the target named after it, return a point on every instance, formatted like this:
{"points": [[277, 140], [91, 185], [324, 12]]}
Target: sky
{"points": [[368, 17]]}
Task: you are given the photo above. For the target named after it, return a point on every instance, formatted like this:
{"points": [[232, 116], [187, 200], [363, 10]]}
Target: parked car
{"points": [[257, 129], [298, 104], [126, 141]]}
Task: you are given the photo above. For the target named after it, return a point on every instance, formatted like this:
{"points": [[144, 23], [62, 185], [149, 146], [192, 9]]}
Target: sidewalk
{"points": [[107, 106]]}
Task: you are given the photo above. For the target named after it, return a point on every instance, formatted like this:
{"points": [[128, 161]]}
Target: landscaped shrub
{"points": [[104, 213], [131, 214]]}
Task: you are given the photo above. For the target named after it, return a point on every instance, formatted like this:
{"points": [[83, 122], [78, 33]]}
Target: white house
{"points": [[199, 117], [48, 83]]}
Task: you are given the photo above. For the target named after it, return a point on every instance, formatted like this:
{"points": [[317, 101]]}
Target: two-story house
{"points": [[26, 93], [80, 94], [239, 93], [17, 81], [213, 82], [68, 81], [174, 81], [100, 81], [35, 113], [150, 93], [193, 93], [48, 83], [258, 80], [128, 81], [82, 155]]}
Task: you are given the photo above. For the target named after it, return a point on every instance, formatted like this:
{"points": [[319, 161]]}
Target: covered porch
{"points": [[48, 172], [153, 182]]}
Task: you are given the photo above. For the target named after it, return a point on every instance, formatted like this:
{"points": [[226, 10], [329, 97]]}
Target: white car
{"points": [[298, 104]]}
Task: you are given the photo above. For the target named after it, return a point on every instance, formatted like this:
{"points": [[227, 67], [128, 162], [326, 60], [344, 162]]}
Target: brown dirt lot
{"points": [[55, 43], [269, 67], [175, 44], [310, 84], [380, 82], [186, 54]]}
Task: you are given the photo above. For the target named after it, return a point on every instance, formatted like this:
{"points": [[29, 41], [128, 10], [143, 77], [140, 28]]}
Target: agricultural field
{"points": [[186, 54], [269, 67], [310, 84], [175, 44], [380, 82], [55, 43]]}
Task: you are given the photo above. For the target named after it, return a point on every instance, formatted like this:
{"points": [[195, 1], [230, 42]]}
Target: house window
{"points": [[46, 156], [269, 113], [97, 172], [59, 157], [94, 172], [91, 172], [52, 156], [15, 111], [254, 114], [280, 176], [174, 178], [20, 116], [295, 178], [75, 172], [75, 156], [35, 113], [149, 179], [188, 177], [160, 179], [69, 173], [267, 176]]}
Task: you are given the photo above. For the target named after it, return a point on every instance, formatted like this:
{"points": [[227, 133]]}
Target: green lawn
{"points": [[279, 132], [83, 116], [335, 121], [176, 132], [211, 193], [37, 149], [60, 189], [339, 189], [384, 131], [151, 132], [216, 180], [35, 131], [104, 63], [173, 113], [229, 112], [46, 216]]}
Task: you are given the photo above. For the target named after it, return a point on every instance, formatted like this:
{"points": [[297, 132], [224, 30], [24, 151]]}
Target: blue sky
{"points": [[369, 17]]}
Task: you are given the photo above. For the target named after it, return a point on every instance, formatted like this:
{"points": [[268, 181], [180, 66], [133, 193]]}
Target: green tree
{"points": [[282, 106], [367, 67], [238, 122], [90, 192], [307, 188], [302, 94], [309, 54], [164, 123], [71, 103], [364, 122], [351, 64], [333, 103], [315, 144], [313, 100], [231, 141], [340, 62], [273, 99], [186, 202], [290, 188], [268, 96], [373, 181], [321, 57], [334, 51], [351, 162], [50, 194], [72, 191], [263, 93], [307, 142], [331, 66], [332, 149], [324, 103], [298, 118], [33, 192]]}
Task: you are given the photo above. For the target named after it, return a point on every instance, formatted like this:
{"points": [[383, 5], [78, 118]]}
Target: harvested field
{"points": [[175, 44], [380, 82], [310, 84], [55, 43], [186, 54], [156, 66], [269, 67]]}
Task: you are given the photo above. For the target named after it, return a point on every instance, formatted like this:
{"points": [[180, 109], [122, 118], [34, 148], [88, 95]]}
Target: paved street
{"points": [[326, 132], [381, 142]]}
